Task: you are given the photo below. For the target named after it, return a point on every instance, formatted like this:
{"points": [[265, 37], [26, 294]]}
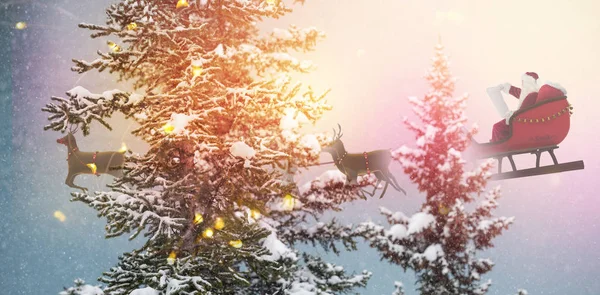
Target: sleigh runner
{"points": [[536, 130]]}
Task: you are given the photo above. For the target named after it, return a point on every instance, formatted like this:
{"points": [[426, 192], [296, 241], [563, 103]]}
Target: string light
{"points": [[113, 46], [60, 216], [132, 26], [443, 209], [168, 128], [20, 25], [182, 3], [171, 258], [123, 148], [236, 244], [208, 233], [288, 202], [196, 70], [254, 214], [219, 223], [547, 118], [92, 167], [198, 218]]}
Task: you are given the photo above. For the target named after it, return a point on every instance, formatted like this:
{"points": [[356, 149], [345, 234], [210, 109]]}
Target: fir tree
{"points": [[441, 241], [214, 195]]}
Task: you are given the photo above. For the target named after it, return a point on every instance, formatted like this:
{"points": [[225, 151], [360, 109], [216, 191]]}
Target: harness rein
{"points": [[75, 149], [340, 159]]}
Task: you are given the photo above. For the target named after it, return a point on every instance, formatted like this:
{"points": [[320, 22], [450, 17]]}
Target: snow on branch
{"points": [[82, 107], [326, 234], [126, 213]]}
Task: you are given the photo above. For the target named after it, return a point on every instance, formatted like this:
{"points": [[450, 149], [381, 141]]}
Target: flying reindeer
{"points": [[90, 163], [353, 165]]}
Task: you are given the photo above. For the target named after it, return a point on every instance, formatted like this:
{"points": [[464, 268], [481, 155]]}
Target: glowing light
{"points": [[171, 258], [168, 128], [123, 148], [132, 26], [20, 25], [219, 223], [273, 2], [182, 3], [443, 209], [196, 70], [254, 214], [208, 233], [236, 244], [198, 218], [288, 202], [60, 216], [113, 46], [92, 167]]}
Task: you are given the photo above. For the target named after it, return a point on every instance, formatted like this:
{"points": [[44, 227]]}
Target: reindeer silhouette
{"points": [[90, 163], [353, 165]]}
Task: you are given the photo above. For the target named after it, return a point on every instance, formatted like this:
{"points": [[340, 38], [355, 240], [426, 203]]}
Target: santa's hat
{"points": [[530, 78]]}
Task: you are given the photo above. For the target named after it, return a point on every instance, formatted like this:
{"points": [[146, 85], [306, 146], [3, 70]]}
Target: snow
{"points": [[288, 121], [277, 248], [397, 232], [220, 51], [81, 92], [330, 175], [285, 57], [145, 291], [242, 150], [122, 199], [91, 290], [282, 34], [180, 122], [419, 222], [141, 116], [310, 141], [135, 98], [197, 63], [433, 252]]}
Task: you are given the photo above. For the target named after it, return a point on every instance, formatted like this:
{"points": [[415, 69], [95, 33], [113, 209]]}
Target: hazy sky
{"points": [[375, 56]]}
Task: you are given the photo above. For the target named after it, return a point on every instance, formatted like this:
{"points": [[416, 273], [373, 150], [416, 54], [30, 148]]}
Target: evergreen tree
{"points": [[214, 195], [441, 241]]}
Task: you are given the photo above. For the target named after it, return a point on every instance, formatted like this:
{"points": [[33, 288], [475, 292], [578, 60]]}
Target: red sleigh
{"points": [[533, 130]]}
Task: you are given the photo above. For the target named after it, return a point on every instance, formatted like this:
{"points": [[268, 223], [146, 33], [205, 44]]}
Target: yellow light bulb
{"points": [[20, 25], [123, 148], [60, 216], [288, 202], [92, 167], [443, 209], [219, 223], [172, 257], [198, 218], [254, 214], [113, 46], [182, 3], [196, 70], [168, 128], [132, 26], [208, 233], [236, 244]]}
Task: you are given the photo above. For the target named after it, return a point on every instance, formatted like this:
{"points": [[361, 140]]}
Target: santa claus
{"points": [[527, 96]]}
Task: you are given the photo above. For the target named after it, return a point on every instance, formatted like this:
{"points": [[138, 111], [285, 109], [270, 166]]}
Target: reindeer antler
{"points": [[340, 127]]}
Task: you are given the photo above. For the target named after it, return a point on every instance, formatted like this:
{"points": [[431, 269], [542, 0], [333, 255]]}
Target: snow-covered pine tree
{"points": [[441, 241], [214, 195]]}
